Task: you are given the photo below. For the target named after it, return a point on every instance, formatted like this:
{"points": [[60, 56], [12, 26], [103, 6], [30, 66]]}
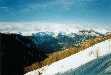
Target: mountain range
{"points": [[40, 47]]}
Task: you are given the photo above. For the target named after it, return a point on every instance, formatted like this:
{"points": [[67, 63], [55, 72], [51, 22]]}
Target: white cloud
{"points": [[33, 27]]}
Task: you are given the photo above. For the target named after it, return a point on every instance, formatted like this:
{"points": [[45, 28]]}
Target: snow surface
{"points": [[76, 60], [100, 66]]}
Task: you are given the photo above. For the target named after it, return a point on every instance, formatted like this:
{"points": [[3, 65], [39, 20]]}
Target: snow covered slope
{"points": [[76, 60], [100, 66]]}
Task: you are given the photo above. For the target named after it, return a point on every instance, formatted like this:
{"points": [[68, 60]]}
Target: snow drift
{"points": [[77, 60]]}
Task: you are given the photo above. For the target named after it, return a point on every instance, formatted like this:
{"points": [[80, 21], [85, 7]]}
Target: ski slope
{"points": [[77, 60]]}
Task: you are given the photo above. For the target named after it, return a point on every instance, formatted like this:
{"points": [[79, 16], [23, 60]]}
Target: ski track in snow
{"points": [[77, 60]]}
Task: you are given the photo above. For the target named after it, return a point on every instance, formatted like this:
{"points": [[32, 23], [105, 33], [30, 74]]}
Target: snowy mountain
{"points": [[91, 32], [93, 60], [49, 42]]}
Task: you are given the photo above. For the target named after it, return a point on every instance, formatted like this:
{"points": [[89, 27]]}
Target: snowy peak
{"points": [[72, 34], [90, 32]]}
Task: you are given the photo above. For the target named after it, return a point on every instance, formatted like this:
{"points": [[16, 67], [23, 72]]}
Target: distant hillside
{"points": [[52, 42]]}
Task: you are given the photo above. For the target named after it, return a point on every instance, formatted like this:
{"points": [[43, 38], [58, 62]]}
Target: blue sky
{"points": [[95, 11]]}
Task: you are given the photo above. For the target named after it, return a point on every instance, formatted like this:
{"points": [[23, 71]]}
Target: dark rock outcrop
{"points": [[16, 52]]}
